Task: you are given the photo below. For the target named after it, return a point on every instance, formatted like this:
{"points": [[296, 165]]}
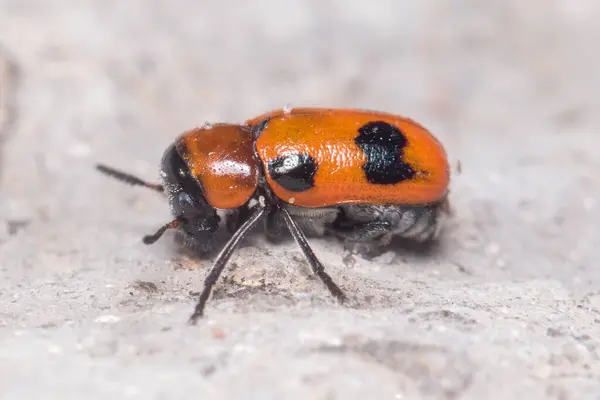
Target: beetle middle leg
{"points": [[312, 221], [315, 265]]}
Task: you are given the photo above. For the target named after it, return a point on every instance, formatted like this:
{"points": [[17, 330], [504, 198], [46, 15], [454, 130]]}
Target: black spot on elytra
{"points": [[295, 172], [384, 145]]}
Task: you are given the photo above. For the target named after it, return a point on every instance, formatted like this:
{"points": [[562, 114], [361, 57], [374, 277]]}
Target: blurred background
{"points": [[510, 87]]}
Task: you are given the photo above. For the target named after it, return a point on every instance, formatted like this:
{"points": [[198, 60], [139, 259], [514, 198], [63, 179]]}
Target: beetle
{"points": [[362, 175]]}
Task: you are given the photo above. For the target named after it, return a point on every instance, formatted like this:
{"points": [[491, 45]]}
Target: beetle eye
{"points": [[185, 201]]}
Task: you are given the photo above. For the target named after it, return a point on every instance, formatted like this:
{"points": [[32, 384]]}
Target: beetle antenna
{"points": [[257, 213], [149, 239], [315, 265], [128, 178]]}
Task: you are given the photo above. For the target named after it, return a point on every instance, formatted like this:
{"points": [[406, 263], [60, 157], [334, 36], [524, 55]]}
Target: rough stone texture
{"points": [[507, 305]]}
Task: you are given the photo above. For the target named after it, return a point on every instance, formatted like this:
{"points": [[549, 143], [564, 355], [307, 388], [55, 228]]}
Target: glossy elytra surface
{"points": [[322, 157]]}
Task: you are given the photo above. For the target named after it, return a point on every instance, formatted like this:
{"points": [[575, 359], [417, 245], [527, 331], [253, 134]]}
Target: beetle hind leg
{"points": [[368, 229], [367, 239]]}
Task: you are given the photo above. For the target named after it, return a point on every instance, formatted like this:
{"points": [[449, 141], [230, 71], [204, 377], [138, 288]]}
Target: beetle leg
{"points": [[313, 261], [313, 222], [257, 213], [368, 239], [367, 231]]}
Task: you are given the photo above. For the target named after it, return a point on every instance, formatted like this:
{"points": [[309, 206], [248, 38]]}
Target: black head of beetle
{"points": [[197, 220]]}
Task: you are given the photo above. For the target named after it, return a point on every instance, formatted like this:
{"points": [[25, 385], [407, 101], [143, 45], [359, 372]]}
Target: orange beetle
{"points": [[363, 176]]}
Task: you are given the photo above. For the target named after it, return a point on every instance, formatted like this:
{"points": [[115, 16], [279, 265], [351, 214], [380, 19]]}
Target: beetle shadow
{"points": [[403, 246], [399, 247]]}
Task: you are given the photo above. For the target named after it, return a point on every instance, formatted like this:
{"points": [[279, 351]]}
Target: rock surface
{"points": [[508, 304]]}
